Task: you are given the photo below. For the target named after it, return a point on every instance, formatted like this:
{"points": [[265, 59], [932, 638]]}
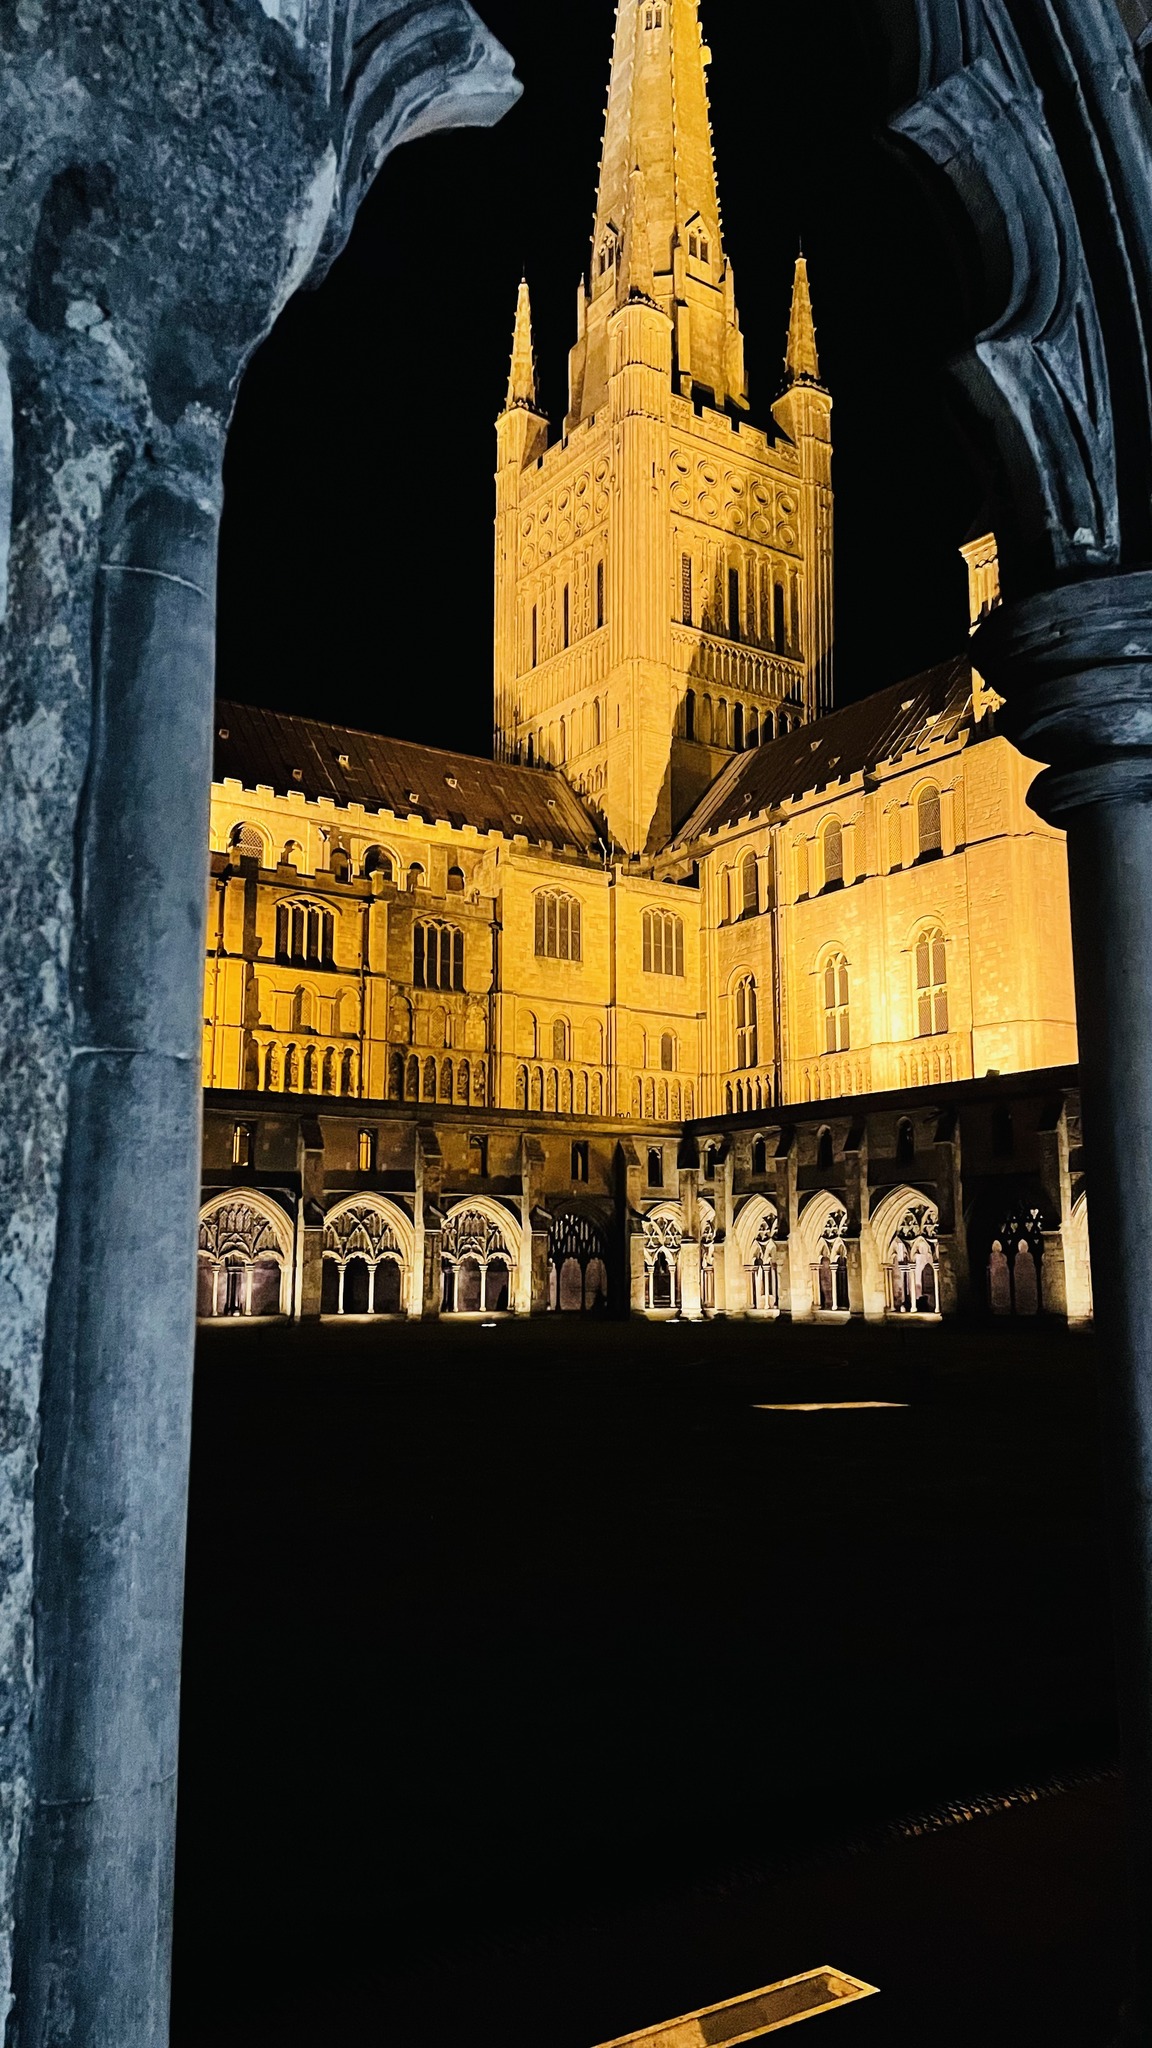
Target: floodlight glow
{"points": [[756, 2013]]}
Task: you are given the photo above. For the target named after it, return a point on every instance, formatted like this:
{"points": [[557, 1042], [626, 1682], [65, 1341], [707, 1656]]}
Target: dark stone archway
{"points": [[1030, 122]]}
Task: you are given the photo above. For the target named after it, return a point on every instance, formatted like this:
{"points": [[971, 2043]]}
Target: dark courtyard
{"points": [[540, 1684]]}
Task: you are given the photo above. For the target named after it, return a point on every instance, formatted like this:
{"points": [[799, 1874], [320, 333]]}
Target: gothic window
{"points": [[833, 847], [830, 1277], [530, 755], [747, 1026], [655, 1166], [415, 876], [243, 1144], [750, 884], [1016, 1264], [703, 248], [686, 590], [366, 1151], [738, 727], [599, 595], [837, 1032], [558, 934], [567, 614], [535, 635], [596, 721], [304, 935], [560, 1039], [667, 1053], [654, 16], [455, 881], [378, 862], [759, 1155], [438, 956], [912, 1265], [928, 823], [779, 631], [825, 1154], [764, 1273], [580, 1160], [931, 984], [894, 851], [341, 864], [733, 604], [663, 942], [905, 1142], [247, 843]]}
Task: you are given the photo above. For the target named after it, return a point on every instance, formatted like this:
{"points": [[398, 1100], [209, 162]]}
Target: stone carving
{"points": [[236, 1230], [177, 172]]}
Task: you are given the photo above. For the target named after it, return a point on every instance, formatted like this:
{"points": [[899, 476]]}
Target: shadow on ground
{"points": [[531, 1672]]}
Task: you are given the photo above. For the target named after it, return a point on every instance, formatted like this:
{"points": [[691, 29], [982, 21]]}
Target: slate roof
{"points": [[893, 723], [273, 750]]}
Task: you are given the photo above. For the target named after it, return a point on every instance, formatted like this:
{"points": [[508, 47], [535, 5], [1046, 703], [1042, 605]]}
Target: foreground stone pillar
{"points": [[1077, 667], [174, 172]]}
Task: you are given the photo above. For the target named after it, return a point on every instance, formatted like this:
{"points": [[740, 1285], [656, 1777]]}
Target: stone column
{"points": [[173, 175], [1076, 665]]}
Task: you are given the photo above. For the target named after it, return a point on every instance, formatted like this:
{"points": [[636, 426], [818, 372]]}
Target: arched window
{"points": [[663, 942], [928, 823], [905, 1142], [455, 881], [415, 876], [247, 842], [738, 727], [558, 932], [893, 850], [379, 862], [596, 721], [833, 847], [733, 604], [837, 1033], [779, 634], [438, 956], [747, 1027], [530, 755], [561, 1039], [759, 1155], [535, 635], [567, 612], [668, 1053], [304, 935], [690, 714], [750, 884], [825, 1154], [599, 598], [931, 983]]}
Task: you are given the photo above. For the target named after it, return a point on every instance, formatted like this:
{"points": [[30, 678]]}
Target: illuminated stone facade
{"points": [[686, 891]]}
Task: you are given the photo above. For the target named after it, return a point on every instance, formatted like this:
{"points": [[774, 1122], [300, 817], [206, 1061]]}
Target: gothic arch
{"points": [[481, 1246], [244, 1264], [369, 1257]]}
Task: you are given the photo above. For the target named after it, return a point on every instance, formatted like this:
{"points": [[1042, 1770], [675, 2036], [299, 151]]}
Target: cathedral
{"points": [[702, 997]]}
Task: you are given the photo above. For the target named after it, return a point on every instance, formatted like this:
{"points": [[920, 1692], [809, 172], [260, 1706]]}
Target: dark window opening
{"points": [[480, 1147], [580, 1160], [690, 715], [905, 1142], [825, 1156], [455, 881], [655, 1166], [733, 604], [1003, 1136], [567, 614], [779, 633], [759, 1155], [599, 593]]}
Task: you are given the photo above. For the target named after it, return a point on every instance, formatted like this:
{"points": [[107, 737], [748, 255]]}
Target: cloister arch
{"points": [[756, 1232], [481, 1251], [822, 1231], [369, 1258], [904, 1229], [244, 1256]]}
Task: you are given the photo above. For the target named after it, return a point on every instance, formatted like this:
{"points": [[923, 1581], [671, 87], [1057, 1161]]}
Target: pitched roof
{"points": [[271, 749], [937, 705]]}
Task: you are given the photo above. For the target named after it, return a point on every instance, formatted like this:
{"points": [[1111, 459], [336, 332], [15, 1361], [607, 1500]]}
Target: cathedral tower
{"points": [[663, 569]]}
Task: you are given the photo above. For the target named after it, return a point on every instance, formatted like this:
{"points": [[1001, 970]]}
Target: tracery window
{"points": [[438, 956], [747, 1025], [830, 1273], [247, 842], [663, 942], [763, 1271], [928, 822], [558, 932], [833, 848], [304, 935], [913, 1261], [931, 983], [837, 1022]]}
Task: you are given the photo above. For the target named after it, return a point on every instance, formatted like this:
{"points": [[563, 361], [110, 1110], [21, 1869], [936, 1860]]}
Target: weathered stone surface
{"points": [[172, 172]]}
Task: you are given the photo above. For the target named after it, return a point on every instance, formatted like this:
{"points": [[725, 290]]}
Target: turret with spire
{"points": [[804, 411], [522, 373]]}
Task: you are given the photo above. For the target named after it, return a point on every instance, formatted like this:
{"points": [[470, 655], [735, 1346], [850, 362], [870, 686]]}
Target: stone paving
{"points": [[544, 1670]]}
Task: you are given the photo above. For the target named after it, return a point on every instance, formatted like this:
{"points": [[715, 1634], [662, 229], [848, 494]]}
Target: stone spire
{"points": [[635, 276], [802, 362], [522, 389], [657, 123]]}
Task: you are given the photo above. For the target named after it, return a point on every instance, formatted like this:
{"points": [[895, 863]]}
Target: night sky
{"points": [[356, 563]]}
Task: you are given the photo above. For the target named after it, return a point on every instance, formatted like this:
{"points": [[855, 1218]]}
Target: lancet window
{"points": [[833, 850], [747, 1023], [558, 933], [304, 934], [931, 983], [837, 1016], [928, 822], [438, 956], [663, 942]]}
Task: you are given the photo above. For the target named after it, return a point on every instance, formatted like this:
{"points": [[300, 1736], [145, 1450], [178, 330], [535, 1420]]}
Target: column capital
{"points": [[1075, 667]]}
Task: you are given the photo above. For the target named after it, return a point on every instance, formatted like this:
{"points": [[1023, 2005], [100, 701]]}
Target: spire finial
{"points": [[802, 362], [522, 374]]}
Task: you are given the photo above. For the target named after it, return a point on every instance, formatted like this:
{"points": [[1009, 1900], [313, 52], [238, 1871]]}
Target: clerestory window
{"points": [[663, 942], [558, 926], [304, 935], [438, 956]]}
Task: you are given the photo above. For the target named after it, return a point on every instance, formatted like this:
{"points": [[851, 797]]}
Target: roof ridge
{"points": [[230, 704]]}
